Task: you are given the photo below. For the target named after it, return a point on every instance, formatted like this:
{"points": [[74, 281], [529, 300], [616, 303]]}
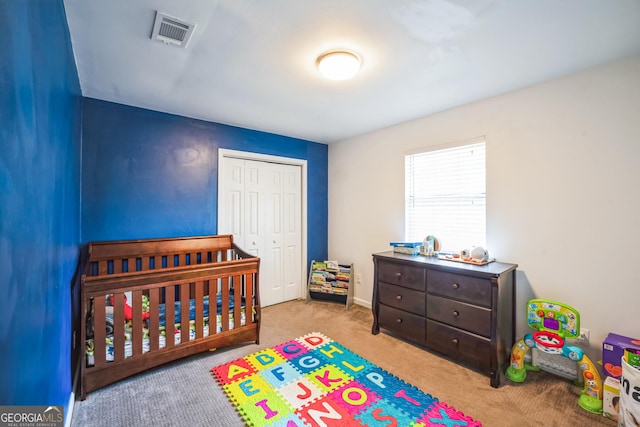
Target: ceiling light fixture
{"points": [[338, 65]]}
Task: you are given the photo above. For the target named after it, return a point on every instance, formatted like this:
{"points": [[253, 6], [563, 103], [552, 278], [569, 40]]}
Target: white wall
{"points": [[563, 192]]}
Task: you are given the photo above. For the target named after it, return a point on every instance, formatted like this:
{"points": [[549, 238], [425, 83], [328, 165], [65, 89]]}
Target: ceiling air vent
{"points": [[170, 30]]}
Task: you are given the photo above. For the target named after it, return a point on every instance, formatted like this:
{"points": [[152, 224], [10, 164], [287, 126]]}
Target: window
{"points": [[445, 193]]}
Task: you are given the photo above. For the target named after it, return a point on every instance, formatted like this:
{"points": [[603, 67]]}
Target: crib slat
{"points": [[117, 266], [184, 312], [169, 318], [102, 267], [154, 320], [200, 309], [145, 263], [214, 322], [118, 327], [99, 331], [137, 334], [226, 283], [237, 298], [248, 293]]}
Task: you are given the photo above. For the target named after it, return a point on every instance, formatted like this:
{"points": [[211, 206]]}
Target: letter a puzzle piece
{"points": [[233, 371]]}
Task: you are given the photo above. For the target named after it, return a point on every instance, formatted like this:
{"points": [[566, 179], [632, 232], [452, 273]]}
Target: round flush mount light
{"points": [[338, 65]]}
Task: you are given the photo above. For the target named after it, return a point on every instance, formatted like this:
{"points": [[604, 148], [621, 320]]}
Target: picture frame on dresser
{"points": [[461, 311]]}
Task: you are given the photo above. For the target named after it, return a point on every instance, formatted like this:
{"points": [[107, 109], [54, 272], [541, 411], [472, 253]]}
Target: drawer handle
{"points": [[398, 275], [398, 297], [456, 286], [456, 313], [399, 320], [455, 341]]}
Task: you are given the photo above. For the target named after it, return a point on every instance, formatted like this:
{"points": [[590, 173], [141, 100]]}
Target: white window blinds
{"points": [[445, 193]]}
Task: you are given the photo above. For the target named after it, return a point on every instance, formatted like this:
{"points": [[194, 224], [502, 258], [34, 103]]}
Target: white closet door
{"points": [[231, 201], [254, 219], [260, 203], [272, 261], [292, 226]]}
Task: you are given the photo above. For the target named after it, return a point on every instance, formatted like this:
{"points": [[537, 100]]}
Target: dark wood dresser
{"points": [[462, 311]]}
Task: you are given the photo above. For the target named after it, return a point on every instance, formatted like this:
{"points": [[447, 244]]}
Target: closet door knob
{"points": [[253, 243], [456, 286], [456, 313]]}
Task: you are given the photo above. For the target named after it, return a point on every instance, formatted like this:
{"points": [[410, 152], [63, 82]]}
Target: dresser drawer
{"points": [[402, 275], [406, 324], [403, 298], [464, 288], [459, 345], [459, 314]]}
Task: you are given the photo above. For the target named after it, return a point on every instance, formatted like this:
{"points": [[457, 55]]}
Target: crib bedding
{"points": [[192, 307], [177, 331]]}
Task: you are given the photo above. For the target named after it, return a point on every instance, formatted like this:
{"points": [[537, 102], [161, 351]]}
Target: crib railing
{"points": [[126, 256], [224, 277]]}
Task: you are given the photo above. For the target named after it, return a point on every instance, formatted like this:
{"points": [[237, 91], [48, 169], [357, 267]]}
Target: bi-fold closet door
{"points": [[260, 204]]}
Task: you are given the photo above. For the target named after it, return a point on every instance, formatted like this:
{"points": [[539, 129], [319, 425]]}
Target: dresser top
{"points": [[492, 269]]}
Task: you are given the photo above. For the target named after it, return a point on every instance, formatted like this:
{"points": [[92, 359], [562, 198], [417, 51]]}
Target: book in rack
{"points": [[330, 281]]}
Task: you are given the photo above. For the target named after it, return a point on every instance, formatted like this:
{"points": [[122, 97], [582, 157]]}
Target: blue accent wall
{"points": [[149, 174], [40, 110], [144, 174]]}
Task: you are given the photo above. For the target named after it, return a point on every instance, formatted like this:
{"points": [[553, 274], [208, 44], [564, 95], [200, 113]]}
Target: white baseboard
{"points": [[72, 397], [69, 412], [362, 302]]}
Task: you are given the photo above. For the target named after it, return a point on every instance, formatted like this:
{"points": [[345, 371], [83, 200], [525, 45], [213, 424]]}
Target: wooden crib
{"points": [[149, 302]]}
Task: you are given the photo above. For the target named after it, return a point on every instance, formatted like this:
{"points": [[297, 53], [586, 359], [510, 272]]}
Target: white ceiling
{"points": [[251, 63]]}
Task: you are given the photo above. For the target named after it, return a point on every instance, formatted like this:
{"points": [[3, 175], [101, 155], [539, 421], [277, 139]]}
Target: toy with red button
{"points": [[555, 322]]}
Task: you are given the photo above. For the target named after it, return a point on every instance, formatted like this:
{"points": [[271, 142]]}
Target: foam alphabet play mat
{"points": [[315, 381]]}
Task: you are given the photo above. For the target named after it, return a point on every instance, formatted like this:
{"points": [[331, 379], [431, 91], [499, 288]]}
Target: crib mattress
{"points": [[162, 339]]}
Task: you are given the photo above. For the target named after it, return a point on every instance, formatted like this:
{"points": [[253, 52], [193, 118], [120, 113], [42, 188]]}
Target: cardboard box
{"points": [[611, 398], [612, 351]]}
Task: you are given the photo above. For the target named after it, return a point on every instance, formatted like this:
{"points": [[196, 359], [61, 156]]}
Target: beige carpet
{"points": [[542, 400]]}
